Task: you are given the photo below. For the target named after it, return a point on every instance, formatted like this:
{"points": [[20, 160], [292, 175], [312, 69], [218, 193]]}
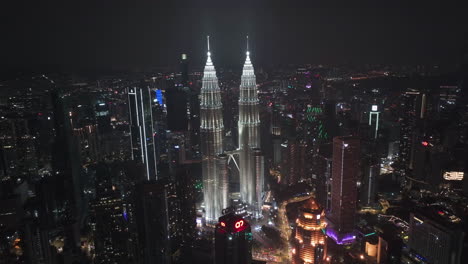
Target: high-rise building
{"points": [[153, 223], [368, 188], [110, 232], [345, 172], [211, 137], [233, 240], [142, 130], [309, 240], [67, 181], [433, 239], [178, 107], [294, 161], [176, 100], [110, 229], [185, 190], [322, 167], [103, 119], [184, 70], [249, 138], [374, 115]]}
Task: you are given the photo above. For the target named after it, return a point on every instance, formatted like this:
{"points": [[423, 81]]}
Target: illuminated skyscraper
{"points": [[309, 241], [141, 130], [211, 135], [251, 186], [345, 172], [233, 240]]}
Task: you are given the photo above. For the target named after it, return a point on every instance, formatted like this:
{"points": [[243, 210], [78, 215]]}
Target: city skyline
{"points": [[264, 132]]}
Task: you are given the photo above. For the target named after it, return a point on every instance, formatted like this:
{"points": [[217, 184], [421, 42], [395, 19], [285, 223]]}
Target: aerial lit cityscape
{"points": [[271, 132]]}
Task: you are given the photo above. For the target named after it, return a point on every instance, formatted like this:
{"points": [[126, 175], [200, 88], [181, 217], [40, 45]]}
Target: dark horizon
{"points": [[109, 35]]}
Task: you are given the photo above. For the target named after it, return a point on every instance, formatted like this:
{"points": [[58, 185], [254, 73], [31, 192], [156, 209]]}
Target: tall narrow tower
{"points": [[142, 130], [345, 173], [251, 184], [211, 135]]}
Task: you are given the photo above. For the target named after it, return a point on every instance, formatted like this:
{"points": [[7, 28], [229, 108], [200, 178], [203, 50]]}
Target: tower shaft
{"points": [[251, 166], [211, 135]]}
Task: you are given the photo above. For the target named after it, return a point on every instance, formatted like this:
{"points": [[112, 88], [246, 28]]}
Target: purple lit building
{"points": [[345, 172]]}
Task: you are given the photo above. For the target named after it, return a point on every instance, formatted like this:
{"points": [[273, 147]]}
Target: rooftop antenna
{"points": [[248, 45], [208, 41]]}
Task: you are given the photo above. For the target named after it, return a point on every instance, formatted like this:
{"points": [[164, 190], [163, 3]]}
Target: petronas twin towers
{"points": [[214, 163]]}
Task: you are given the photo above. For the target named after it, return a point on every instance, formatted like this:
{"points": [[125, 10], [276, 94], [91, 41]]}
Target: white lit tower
{"points": [[142, 130], [211, 135], [251, 173]]}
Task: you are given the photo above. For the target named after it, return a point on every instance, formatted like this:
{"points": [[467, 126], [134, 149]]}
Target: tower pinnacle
{"points": [[208, 41], [248, 52]]}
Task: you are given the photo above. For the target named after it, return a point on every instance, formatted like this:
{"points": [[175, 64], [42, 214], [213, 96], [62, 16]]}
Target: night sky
{"points": [[115, 34]]}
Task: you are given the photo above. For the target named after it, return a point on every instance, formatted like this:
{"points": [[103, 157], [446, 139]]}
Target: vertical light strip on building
{"points": [[141, 130]]}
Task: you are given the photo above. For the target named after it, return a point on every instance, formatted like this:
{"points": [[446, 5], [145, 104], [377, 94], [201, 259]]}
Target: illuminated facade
{"points": [[251, 166], [309, 241], [211, 135], [141, 130]]}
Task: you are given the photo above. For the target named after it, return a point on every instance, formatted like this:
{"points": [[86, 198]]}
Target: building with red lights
{"points": [[233, 240], [309, 241]]}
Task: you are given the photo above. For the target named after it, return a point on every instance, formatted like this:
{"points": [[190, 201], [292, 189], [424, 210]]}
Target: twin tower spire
{"points": [[214, 160]]}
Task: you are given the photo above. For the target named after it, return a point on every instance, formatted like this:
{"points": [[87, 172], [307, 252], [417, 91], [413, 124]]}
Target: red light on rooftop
{"points": [[239, 224], [425, 143]]}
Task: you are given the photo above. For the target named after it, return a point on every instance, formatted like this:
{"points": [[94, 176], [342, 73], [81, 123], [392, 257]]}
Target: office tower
{"points": [[184, 72], [178, 107], [275, 123], [211, 137], [233, 240], [276, 134], [142, 130], [309, 240], [277, 151], [18, 154], [103, 117], [185, 189], [110, 231], [294, 161], [374, 115], [66, 183], [151, 200], [176, 102], [322, 167], [368, 188], [345, 172], [249, 137], [412, 123], [110, 220], [434, 238]]}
